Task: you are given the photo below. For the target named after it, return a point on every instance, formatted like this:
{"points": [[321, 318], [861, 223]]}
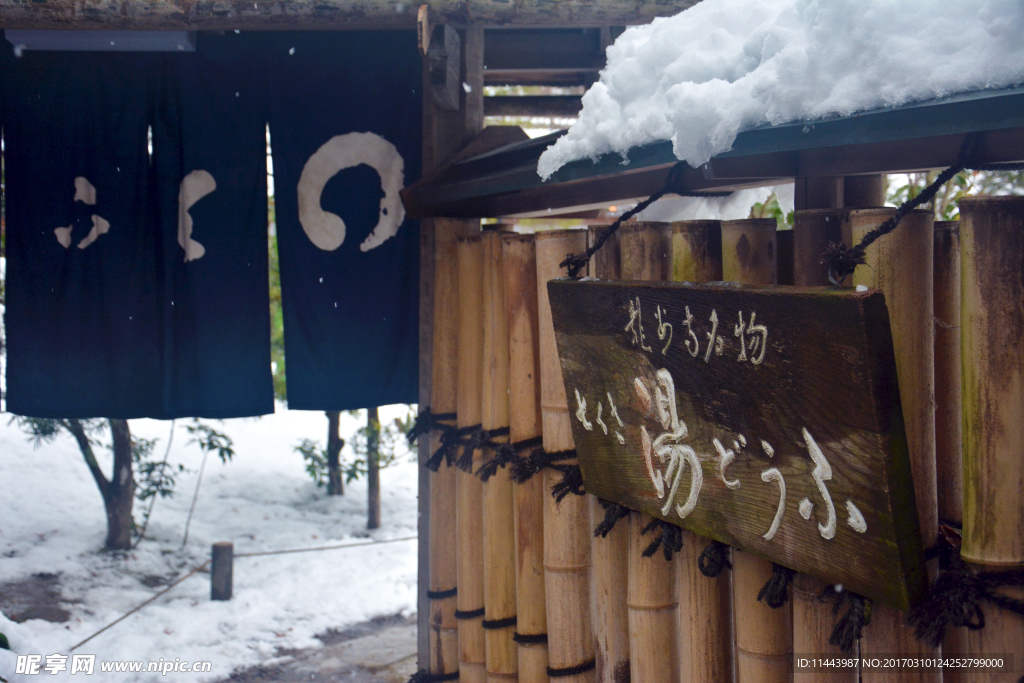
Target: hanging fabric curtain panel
{"points": [[345, 128], [82, 290], [209, 160]]}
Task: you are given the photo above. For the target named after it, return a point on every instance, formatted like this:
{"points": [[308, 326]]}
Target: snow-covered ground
{"points": [[52, 521]]}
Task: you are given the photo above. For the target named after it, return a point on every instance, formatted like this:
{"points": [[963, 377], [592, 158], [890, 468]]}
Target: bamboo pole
{"points": [[469, 490], [764, 636], [900, 264], [498, 515], [652, 596], [991, 319], [520, 268], [609, 554], [566, 525], [704, 613], [813, 620], [443, 636]]}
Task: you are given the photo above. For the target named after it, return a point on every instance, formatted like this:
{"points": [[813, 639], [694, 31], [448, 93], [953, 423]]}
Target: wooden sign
{"points": [[765, 418]]}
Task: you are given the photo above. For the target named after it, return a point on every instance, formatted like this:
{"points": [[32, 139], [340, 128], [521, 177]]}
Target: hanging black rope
{"points": [[505, 454], [613, 512], [427, 422], [843, 260], [574, 263], [423, 676], [848, 628], [775, 591], [670, 539], [714, 559]]}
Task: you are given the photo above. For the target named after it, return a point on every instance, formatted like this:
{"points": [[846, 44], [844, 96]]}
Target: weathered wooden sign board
{"points": [[766, 418]]}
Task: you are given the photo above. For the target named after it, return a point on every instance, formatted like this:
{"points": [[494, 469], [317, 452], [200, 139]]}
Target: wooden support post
{"points": [[469, 490], [221, 570], [814, 226], [991, 319], [784, 257], [818, 193], [567, 524], [609, 554], [705, 616], [948, 413], [813, 230], [520, 268], [764, 636], [443, 654], [900, 264], [864, 191], [498, 518], [652, 594]]}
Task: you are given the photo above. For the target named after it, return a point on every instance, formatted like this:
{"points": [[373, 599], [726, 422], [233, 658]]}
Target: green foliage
{"points": [[210, 440], [276, 318], [155, 477], [4, 644], [770, 208], [315, 457], [945, 205], [392, 445]]}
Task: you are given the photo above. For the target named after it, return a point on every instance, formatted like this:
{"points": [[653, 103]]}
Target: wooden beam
{"points": [[323, 14]]}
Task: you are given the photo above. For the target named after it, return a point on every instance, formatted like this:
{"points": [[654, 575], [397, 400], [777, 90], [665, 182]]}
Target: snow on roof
{"points": [[725, 66]]}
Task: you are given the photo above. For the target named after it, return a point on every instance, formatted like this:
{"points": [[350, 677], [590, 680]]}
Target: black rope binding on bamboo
{"points": [[714, 559], [451, 439], [423, 676], [571, 482], [469, 614], [843, 260], [522, 469], [613, 512], [572, 670], [775, 592], [848, 628], [494, 624], [506, 454], [574, 263], [427, 422], [670, 540], [442, 595], [477, 439], [530, 638]]}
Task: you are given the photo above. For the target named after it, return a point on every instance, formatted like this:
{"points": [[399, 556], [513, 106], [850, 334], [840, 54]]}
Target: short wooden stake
{"points": [[813, 620], [443, 637], [221, 570], [900, 264], [991, 319], [609, 554], [520, 269], [696, 251], [498, 518], [764, 636], [567, 524], [645, 253], [469, 490]]}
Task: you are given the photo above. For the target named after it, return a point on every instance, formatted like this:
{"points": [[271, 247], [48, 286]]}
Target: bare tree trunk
{"points": [[335, 487], [120, 492], [373, 469]]}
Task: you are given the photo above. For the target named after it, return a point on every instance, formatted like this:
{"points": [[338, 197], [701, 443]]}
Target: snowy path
{"points": [[52, 521]]}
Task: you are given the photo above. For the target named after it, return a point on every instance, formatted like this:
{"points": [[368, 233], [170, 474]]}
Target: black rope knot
{"points": [[571, 482], [613, 512], [775, 591], [848, 628], [714, 559], [505, 454], [427, 422], [451, 438], [477, 439], [670, 540], [423, 676], [956, 597], [524, 468]]}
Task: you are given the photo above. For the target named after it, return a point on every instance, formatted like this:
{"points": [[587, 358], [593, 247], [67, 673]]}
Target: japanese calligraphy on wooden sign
{"points": [[765, 418]]}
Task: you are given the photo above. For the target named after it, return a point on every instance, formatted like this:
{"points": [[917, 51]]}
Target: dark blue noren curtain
{"points": [[209, 158], [82, 314], [346, 130]]}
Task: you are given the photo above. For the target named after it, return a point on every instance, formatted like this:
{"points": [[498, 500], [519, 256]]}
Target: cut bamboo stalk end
{"points": [[696, 251], [749, 253], [609, 555], [813, 231], [469, 490], [566, 525], [901, 264], [948, 413], [520, 270]]}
